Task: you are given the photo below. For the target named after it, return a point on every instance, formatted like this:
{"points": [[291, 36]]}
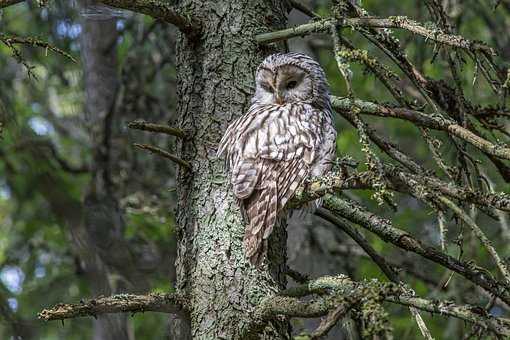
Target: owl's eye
{"points": [[266, 87], [291, 84]]}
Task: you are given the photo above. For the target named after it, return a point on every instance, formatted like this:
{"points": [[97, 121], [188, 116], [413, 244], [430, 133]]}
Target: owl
{"points": [[286, 136]]}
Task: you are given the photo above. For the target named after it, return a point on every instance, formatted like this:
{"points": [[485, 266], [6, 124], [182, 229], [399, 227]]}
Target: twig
{"points": [[143, 125], [11, 40], [385, 145], [164, 153], [399, 178], [473, 314], [122, 303], [334, 316]]}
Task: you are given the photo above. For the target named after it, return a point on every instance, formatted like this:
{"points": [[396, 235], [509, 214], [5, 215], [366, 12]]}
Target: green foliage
{"points": [[36, 192]]}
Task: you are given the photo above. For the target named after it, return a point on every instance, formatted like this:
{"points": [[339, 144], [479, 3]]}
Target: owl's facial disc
{"points": [[292, 84], [287, 84]]}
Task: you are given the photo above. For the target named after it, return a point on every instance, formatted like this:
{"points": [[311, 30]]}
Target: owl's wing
{"points": [[273, 149], [272, 134]]}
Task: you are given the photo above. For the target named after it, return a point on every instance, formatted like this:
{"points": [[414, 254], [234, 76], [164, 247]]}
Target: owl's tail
{"points": [[261, 209]]}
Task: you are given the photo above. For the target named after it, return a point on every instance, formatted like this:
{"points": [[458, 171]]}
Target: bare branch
{"points": [[421, 119], [143, 125], [10, 41], [121, 303], [332, 319], [164, 153], [321, 26], [161, 11], [296, 276]]}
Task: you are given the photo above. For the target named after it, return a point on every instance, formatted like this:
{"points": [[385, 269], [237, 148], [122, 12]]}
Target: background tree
{"points": [[422, 166]]}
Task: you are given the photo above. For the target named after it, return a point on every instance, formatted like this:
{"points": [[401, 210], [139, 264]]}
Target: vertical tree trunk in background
{"points": [[215, 82], [102, 216]]}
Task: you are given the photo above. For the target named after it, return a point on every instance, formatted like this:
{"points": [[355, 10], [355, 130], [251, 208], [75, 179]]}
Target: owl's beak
{"points": [[279, 98]]}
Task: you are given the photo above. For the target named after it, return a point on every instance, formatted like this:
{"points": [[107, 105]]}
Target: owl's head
{"points": [[291, 77]]}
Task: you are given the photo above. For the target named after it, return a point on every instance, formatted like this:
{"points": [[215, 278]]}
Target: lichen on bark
{"points": [[215, 78]]}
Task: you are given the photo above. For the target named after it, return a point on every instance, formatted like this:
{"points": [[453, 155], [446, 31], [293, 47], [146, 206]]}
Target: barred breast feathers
{"points": [[271, 149]]}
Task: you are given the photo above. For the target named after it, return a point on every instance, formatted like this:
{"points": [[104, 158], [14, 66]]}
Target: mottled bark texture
{"points": [[215, 81]]}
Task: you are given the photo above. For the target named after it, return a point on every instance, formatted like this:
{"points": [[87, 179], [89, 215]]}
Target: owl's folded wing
{"points": [[274, 134]]}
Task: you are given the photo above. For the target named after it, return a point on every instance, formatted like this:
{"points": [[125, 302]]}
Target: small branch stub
{"points": [[163, 153], [159, 128]]}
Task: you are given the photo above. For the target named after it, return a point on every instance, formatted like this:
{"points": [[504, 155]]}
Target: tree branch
{"points": [[397, 180], [381, 262], [165, 154], [143, 125], [384, 229], [11, 40], [324, 25], [341, 293], [423, 120], [473, 314], [159, 10], [121, 303]]}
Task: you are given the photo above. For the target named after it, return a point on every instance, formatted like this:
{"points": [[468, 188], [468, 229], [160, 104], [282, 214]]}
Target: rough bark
{"points": [[215, 77]]}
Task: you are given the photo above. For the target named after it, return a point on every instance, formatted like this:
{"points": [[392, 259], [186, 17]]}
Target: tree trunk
{"points": [[215, 83]]}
